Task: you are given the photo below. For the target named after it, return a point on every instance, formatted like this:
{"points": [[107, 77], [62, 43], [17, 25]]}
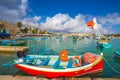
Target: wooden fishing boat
{"points": [[60, 66], [104, 42], [117, 54]]}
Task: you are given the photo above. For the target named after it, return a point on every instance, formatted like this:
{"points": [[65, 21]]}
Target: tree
{"points": [[19, 24], [36, 30], [2, 28], [30, 29], [26, 29]]}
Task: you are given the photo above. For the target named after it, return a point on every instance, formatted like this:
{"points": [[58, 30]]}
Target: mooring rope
{"points": [[111, 67]]}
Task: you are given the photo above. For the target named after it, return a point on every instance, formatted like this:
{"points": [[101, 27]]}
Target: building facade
{"points": [[13, 29]]}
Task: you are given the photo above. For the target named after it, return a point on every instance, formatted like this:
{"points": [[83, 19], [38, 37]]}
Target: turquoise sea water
{"points": [[53, 45], [111, 64]]}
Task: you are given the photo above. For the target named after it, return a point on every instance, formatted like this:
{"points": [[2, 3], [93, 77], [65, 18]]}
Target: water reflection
{"points": [[117, 59]]}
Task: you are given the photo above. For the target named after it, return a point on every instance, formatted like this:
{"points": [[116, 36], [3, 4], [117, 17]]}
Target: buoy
{"points": [[20, 54], [75, 63], [89, 57], [64, 55]]}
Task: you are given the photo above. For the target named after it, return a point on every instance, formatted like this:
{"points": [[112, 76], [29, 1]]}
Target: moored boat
{"points": [[59, 66], [104, 42], [101, 40], [12, 43], [107, 45], [117, 54]]}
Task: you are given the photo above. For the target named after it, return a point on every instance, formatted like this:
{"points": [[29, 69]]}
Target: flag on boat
{"points": [[92, 23]]}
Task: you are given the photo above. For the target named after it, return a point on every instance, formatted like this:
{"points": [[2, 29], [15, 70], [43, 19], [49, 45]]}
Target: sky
{"points": [[64, 16]]}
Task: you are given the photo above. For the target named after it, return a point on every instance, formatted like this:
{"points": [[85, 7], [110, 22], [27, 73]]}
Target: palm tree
{"points": [[2, 27], [30, 30], [36, 30], [26, 29], [19, 24]]}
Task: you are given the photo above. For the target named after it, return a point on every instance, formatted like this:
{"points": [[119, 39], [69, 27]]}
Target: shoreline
{"points": [[51, 36], [19, 77]]}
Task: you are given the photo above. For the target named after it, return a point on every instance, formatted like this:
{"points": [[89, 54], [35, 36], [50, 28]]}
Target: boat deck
{"points": [[104, 41], [12, 49]]}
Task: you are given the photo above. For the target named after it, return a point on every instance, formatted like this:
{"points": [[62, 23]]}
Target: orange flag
{"points": [[91, 24]]}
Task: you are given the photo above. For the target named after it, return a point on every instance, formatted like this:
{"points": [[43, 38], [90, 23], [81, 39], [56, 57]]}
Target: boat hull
{"points": [[117, 54], [68, 72], [106, 45]]}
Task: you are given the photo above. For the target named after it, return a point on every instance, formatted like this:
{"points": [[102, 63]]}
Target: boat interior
{"points": [[57, 62]]}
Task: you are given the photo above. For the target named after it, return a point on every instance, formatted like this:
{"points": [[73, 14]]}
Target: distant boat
{"points": [[104, 42], [12, 43], [117, 54], [106, 45], [4, 35], [54, 66], [75, 37]]}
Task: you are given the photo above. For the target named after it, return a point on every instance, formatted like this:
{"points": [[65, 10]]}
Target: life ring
{"points": [[77, 64]]}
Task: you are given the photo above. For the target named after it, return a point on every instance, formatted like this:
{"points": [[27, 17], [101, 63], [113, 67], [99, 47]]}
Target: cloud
{"points": [[17, 10], [31, 21], [113, 19], [11, 4], [13, 10], [55, 23], [64, 23], [109, 21]]}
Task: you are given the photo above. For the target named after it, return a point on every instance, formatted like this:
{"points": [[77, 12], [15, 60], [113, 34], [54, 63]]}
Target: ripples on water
{"points": [[111, 63]]}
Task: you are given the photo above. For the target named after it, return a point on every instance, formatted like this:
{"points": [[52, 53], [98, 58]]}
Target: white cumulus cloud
{"points": [[65, 23], [31, 21], [113, 19], [109, 21]]}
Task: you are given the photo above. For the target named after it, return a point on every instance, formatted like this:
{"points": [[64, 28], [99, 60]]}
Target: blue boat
{"points": [[106, 45], [117, 54], [4, 35], [12, 43]]}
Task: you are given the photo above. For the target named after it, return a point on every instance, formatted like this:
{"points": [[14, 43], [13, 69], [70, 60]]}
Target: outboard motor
{"points": [[20, 54]]}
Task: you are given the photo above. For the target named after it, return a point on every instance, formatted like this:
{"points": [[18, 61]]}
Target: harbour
{"points": [[59, 40]]}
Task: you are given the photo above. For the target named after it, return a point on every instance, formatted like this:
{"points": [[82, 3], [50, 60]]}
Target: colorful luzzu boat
{"points": [[60, 66]]}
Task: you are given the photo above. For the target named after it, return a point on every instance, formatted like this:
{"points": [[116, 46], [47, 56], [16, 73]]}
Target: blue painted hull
{"points": [[106, 45]]}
